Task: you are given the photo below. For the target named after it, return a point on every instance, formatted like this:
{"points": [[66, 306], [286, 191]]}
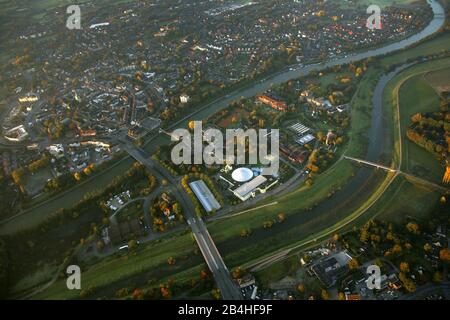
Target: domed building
{"points": [[242, 174]]}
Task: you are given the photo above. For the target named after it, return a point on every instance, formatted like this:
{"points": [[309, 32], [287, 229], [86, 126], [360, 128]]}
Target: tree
{"points": [[236, 273], [268, 224], [132, 244], [246, 232], [216, 294], [364, 236], [165, 291], [170, 261], [437, 277], [138, 294], [404, 266], [176, 208], [301, 288], [191, 125], [325, 294], [100, 245], [397, 248], [123, 292], [444, 254], [412, 227], [341, 296], [408, 284], [281, 217], [336, 237], [204, 274]]}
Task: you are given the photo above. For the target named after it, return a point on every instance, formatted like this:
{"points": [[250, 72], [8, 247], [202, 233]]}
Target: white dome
{"points": [[242, 174]]}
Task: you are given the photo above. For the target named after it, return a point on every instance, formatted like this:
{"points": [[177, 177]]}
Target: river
{"points": [[248, 91]]}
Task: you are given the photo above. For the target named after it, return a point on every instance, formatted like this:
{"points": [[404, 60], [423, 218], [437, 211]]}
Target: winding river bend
{"points": [[342, 203], [34, 215]]}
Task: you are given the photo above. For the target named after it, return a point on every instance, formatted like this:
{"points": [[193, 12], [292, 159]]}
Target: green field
{"points": [[416, 96], [148, 263], [404, 199], [35, 182], [438, 78]]}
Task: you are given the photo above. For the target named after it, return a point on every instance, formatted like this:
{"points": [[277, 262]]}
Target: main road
{"points": [[228, 288]]}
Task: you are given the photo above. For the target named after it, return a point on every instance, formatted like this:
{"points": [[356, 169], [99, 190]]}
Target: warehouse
{"points": [[204, 195], [246, 190]]}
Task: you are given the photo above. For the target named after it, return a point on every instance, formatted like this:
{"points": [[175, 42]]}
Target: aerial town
{"points": [[94, 206]]}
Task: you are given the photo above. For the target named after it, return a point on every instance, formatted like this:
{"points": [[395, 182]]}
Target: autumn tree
{"points": [[215, 293], [170, 261], [413, 227], [138, 294], [236, 273], [336, 237], [325, 294], [437, 277], [404, 267], [100, 245], [408, 284], [246, 232], [132, 244], [301, 288]]}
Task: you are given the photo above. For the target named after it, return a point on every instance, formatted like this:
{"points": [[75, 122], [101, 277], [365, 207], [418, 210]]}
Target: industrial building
{"points": [[277, 105], [305, 139], [204, 195], [16, 134], [300, 128]]}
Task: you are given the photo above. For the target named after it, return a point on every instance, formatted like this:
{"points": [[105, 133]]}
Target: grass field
{"points": [[148, 263], [438, 78], [416, 96], [404, 199], [35, 182]]}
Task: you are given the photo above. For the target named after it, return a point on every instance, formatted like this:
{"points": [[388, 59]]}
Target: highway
{"points": [[227, 286]]}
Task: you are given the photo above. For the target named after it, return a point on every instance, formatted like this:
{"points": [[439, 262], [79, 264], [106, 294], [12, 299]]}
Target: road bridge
{"points": [[228, 288]]}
